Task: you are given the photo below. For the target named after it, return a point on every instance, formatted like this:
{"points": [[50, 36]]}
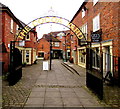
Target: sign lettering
{"points": [[50, 19]]}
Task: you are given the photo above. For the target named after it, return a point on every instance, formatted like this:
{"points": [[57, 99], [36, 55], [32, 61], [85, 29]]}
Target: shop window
{"points": [[96, 58], [81, 56], [41, 55], [96, 23], [27, 56], [69, 54]]}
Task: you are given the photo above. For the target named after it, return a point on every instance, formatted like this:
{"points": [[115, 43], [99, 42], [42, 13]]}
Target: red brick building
{"points": [[100, 18], [28, 47], [9, 29], [43, 49], [59, 45]]}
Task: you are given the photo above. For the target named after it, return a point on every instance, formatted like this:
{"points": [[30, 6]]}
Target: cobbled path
{"points": [[16, 96]]}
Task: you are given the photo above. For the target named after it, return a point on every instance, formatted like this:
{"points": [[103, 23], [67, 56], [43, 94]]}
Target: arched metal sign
{"points": [[51, 19]]}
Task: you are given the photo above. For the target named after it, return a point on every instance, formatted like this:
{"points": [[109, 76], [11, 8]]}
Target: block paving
{"points": [[55, 88]]}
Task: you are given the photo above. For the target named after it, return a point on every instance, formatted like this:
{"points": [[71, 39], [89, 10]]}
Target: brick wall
{"points": [[43, 45], [109, 17], [109, 22], [7, 36]]}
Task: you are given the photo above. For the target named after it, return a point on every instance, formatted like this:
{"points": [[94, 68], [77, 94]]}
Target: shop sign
{"points": [[96, 36], [51, 19]]}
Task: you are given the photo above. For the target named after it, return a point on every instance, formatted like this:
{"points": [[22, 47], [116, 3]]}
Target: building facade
{"points": [[28, 48], [99, 21], [9, 29], [58, 43]]}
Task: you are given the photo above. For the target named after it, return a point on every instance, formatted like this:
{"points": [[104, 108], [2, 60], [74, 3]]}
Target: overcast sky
{"points": [[28, 10]]}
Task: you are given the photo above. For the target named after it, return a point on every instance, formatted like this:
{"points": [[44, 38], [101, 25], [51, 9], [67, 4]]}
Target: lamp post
{"points": [[50, 50], [65, 50]]}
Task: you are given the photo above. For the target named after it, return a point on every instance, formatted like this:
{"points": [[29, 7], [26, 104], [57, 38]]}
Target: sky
{"points": [[29, 10]]}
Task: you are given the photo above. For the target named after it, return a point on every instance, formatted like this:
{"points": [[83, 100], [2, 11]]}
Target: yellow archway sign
{"points": [[51, 19]]}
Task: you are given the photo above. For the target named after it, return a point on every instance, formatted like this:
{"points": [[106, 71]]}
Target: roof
{"points": [[56, 33], [2, 5], [48, 37], [85, 1]]}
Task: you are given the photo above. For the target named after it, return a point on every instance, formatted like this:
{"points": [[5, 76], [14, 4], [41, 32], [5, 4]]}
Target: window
{"points": [[56, 44], [17, 29], [95, 1], [41, 55], [95, 58], [28, 36], [96, 23], [27, 56], [81, 56], [84, 29], [11, 26], [83, 13]]}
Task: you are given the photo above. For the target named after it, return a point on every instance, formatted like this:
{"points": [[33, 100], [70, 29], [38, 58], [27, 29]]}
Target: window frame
{"points": [[27, 56], [56, 44], [84, 28], [82, 58], [11, 25], [83, 13], [41, 54], [96, 23], [29, 36]]}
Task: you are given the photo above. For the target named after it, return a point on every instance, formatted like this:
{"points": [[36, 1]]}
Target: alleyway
{"points": [[56, 88]]}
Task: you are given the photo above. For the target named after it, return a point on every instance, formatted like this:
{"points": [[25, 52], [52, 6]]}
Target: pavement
{"points": [[58, 87], [61, 88]]}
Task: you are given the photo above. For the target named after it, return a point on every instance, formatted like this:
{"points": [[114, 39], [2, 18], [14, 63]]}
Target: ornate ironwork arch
{"points": [[51, 19]]}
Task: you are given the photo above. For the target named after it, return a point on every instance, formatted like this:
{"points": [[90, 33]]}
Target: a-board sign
{"points": [[45, 65]]}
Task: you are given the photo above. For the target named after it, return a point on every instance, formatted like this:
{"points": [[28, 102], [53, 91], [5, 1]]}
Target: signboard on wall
{"points": [[96, 36]]}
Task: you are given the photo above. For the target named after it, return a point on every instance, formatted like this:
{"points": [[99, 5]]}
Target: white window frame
{"points": [[57, 44], [11, 25], [84, 29], [17, 31], [96, 23], [82, 58], [83, 13], [95, 1], [95, 56], [27, 56], [29, 36]]}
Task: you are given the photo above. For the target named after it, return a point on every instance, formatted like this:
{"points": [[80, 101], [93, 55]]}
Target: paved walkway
{"points": [[16, 96], [60, 88]]}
